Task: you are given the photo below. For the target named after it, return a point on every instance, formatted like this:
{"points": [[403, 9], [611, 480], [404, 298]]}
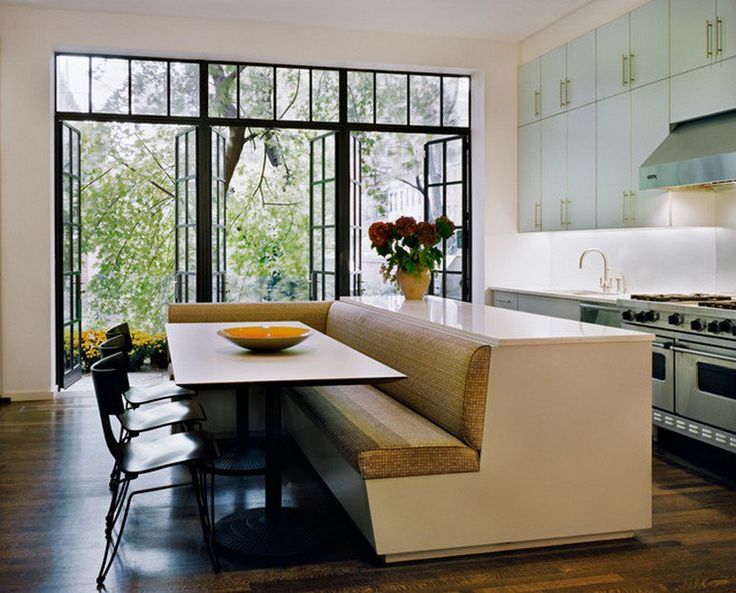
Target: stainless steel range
{"points": [[693, 362]]}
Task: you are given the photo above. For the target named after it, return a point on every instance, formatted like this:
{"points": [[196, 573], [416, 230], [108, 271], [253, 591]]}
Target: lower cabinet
{"points": [[541, 305]]}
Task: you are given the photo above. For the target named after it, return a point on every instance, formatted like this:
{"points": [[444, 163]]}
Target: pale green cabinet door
{"points": [[649, 59], [554, 172], [530, 178], [649, 127], [579, 210], [580, 83], [613, 164], [612, 57], [692, 30], [704, 91], [554, 74], [529, 92], [726, 29]]}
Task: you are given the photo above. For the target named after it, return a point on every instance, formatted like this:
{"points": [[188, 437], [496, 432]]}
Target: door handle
{"points": [[719, 36], [562, 93], [626, 218], [631, 67], [632, 209], [537, 107], [562, 213], [682, 350], [567, 212], [567, 91], [708, 38], [624, 60], [537, 218]]}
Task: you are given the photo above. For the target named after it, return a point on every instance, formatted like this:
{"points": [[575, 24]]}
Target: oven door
{"points": [[663, 374], [706, 384]]}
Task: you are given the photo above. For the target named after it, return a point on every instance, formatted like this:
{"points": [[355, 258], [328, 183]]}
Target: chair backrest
{"points": [[107, 377], [115, 345], [121, 330]]}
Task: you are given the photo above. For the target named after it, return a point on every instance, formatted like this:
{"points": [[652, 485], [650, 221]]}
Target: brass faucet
{"points": [[606, 283]]}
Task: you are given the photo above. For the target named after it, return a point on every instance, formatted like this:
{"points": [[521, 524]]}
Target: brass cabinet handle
{"points": [[719, 35], [567, 91], [626, 218], [562, 93], [537, 221], [708, 37], [632, 209], [537, 101], [624, 59], [562, 212], [631, 67], [567, 212]]}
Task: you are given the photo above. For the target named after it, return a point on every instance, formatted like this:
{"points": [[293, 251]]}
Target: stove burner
{"points": [[719, 304], [681, 298]]}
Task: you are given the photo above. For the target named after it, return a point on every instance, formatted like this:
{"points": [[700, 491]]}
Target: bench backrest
{"points": [[311, 313], [447, 375]]}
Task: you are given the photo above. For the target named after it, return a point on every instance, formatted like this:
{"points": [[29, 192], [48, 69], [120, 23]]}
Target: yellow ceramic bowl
{"points": [[265, 338]]}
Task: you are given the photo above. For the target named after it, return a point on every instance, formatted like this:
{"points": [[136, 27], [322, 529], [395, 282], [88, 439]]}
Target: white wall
{"points": [[28, 38], [668, 259], [726, 242]]}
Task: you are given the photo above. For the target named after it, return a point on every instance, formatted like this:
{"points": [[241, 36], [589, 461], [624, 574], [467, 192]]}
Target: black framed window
{"points": [[185, 275]]}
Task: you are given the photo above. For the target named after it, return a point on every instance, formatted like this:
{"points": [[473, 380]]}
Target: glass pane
{"points": [[329, 202], [191, 249], [435, 203], [317, 160], [256, 92], [318, 280], [330, 157], [68, 297], [181, 260], [184, 88], [455, 203], [75, 249], [66, 151], [191, 201], [109, 85], [330, 250], [453, 286], [456, 101], [191, 289], [329, 287], [391, 98], [75, 213], [425, 100], [181, 195], [74, 164], [66, 198], [67, 346], [659, 366], [72, 83], [325, 95], [317, 249], [148, 83], [222, 92], [66, 249], [435, 163], [292, 94], [360, 97], [317, 205], [454, 160], [191, 153]]}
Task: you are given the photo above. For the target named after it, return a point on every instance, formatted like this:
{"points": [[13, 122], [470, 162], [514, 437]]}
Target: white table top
{"points": [[498, 327], [202, 358]]}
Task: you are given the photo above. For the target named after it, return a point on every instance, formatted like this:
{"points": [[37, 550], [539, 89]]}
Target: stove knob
{"points": [[675, 319], [726, 326], [651, 316], [628, 315], [641, 316], [714, 327], [697, 324]]}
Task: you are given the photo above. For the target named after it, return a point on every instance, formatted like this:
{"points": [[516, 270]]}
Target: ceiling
{"points": [[501, 20]]}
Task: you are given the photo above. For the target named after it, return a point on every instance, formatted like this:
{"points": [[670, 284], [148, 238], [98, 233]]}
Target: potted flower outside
{"points": [[411, 251]]}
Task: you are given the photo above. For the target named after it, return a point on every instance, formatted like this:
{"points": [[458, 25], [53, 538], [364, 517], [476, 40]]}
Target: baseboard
{"points": [[29, 396], [487, 549]]}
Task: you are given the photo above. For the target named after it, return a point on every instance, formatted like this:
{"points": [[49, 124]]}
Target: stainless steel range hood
{"points": [[696, 153]]}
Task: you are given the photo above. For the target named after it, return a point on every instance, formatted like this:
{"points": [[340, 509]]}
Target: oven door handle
{"points": [[704, 354], [662, 346]]}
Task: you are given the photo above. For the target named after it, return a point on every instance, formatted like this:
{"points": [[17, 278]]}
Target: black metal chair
{"points": [[194, 450], [136, 395]]}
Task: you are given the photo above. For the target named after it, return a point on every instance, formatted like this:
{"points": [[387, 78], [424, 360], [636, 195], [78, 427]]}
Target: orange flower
{"points": [[406, 226]]}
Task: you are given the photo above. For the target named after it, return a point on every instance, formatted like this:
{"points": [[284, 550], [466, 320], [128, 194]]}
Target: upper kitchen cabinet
{"points": [[578, 210], [554, 172], [649, 55], [612, 58], [703, 32], [530, 178], [703, 91], [568, 76], [580, 81], [613, 164], [530, 93], [554, 81], [650, 125]]}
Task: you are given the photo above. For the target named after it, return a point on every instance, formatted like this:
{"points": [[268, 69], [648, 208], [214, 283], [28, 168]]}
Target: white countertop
{"points": [[495, 326], [564, 293]]}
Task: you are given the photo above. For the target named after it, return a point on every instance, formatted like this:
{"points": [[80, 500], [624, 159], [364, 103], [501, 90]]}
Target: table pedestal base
{"points": [[241, 461], [294, 532]]}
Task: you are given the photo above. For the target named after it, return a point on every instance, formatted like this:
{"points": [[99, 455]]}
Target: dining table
{"points": [[204, 360]]}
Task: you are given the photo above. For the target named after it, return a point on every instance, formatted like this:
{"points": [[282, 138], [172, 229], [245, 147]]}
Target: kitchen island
{"points": [[567, 435]]}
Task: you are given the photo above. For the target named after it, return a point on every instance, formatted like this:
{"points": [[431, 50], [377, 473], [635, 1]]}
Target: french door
{"points": [[219, 218], [446, 194], [69, 256], [322, 216], [185, 263], [356, 216]]}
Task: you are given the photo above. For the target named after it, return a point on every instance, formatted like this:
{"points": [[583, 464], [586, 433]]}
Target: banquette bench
{"points": [[416, 462]]}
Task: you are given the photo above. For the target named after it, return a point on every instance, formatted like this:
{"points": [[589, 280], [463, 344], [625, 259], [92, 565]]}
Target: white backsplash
{"points": [[726, 242]]}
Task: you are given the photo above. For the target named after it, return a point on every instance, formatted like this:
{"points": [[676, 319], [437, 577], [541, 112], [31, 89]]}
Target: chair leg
{"points": [[199, 482], [111, 549]]}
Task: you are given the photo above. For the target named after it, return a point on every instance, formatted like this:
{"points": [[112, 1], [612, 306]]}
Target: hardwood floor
{"points": [[53, 496]]}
